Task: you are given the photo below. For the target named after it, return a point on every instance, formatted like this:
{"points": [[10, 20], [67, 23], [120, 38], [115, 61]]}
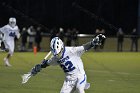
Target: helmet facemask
{"points": [[59, 55], [12, 22]]}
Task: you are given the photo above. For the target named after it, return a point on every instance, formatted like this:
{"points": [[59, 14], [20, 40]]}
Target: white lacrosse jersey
{"points": [[71, 61], [10, 32]]}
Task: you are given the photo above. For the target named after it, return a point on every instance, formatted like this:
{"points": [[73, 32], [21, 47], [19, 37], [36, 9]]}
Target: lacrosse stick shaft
{"points": [[26, 77], [47, 55]]}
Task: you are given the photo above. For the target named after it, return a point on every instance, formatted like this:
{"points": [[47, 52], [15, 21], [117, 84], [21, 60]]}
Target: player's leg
{"points": [[10, 48], [82, 80], [68, 86]]}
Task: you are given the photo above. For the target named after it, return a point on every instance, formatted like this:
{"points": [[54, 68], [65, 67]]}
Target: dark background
{"points": [[63, 13]]}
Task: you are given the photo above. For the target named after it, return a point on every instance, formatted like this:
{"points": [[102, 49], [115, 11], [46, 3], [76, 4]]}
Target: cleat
{"points": [[6, 62]]}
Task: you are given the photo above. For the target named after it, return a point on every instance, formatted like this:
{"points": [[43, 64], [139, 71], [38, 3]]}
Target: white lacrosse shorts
{"points": [[10, 45], [72, 84]]}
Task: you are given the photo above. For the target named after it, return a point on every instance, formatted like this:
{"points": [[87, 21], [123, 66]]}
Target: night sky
{"points": [[85, 15]]}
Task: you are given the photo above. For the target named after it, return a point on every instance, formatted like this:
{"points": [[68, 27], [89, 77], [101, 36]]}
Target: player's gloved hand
{"points": [[37, 68], [98, 39], [44, 63]]}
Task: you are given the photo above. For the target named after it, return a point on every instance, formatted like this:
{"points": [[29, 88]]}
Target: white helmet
{"points": [[57, 46], [12, 22]]}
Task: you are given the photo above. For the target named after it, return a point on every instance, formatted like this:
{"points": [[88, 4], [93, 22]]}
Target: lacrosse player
{"points": [[69, 59], [10, 31]]}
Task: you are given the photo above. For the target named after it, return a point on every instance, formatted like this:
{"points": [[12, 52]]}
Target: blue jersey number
{"points": [[67, 66], [12, 34]]}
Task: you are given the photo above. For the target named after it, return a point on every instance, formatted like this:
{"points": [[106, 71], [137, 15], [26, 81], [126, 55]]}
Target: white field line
{"points": [[105, 71], [123, 73]]}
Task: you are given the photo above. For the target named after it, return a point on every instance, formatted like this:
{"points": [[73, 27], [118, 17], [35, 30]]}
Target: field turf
{"points": [[107, 72]]}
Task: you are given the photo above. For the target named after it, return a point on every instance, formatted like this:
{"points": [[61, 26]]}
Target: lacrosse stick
{"points": [[27, 76]]}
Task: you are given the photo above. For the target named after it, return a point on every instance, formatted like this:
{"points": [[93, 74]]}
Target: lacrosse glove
{"points": [[36, 69], [97, 41]]}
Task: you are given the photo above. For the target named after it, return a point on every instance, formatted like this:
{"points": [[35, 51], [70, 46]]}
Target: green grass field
{"points": [[107, 72]]}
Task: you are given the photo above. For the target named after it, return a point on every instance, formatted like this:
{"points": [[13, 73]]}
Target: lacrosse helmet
{"points": [[57, 46], [12, 22]]}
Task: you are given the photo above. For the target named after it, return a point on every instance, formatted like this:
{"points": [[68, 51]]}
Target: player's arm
{"points": [[3, 29], [37, 68], [97, 41], [45, 63], [0, 31], [18, 34], [1, 37]]}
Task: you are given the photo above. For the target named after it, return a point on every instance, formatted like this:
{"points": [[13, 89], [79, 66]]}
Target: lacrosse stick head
{"points": [[25, 77]]}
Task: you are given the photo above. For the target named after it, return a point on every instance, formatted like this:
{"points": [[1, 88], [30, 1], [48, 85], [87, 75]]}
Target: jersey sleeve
{"points": [[3, 29], [53, 61], [78, 50]]}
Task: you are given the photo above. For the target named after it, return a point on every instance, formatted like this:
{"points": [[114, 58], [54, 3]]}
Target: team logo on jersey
{"points": [[12, 34]]}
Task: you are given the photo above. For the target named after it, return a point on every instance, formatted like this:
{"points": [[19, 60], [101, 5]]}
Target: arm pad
{"points": [[88, 45]]}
